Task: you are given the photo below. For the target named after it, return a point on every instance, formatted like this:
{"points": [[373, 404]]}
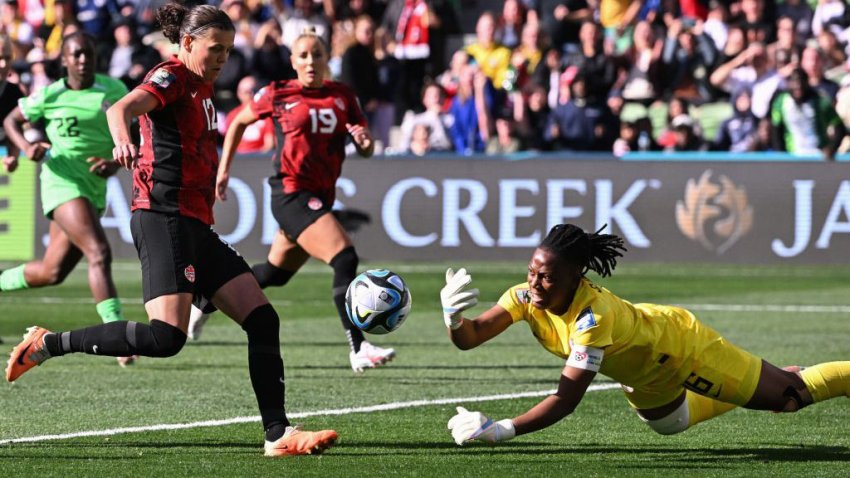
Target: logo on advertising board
{"points": [[714, 214]]}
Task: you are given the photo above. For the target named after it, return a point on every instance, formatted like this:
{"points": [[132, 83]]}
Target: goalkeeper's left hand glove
{"points": [[466, 426]]}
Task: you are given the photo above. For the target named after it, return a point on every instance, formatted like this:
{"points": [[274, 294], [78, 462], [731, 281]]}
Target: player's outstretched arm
{"points": [[120, 117], [467, 426], [232, 138], [456, 297]]}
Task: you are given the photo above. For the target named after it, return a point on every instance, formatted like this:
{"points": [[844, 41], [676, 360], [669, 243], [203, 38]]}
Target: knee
{"points": [[676, 422], [167, 339], [263, 328], [53, 275], [268, 274]]}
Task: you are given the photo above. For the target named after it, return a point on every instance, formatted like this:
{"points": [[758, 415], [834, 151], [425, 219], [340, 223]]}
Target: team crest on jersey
{"points": [[163, 78], [339, 103], [314, 203], [585, 320], [189, 272], [523, 296]]}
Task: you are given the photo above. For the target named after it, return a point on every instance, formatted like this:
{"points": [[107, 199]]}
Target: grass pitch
{"points": [[788, 315]]}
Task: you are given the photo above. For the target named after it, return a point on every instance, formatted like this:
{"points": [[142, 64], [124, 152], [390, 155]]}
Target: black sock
{"points": [[119, 339], [344, 265], [270, 275], [265, 367]]}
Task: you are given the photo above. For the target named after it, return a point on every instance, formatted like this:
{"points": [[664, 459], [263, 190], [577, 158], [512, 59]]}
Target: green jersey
{"points": [[75, 123], [804, 125]]}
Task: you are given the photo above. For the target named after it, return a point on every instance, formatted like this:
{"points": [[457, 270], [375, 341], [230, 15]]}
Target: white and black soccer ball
{"points": [[377, 301]]}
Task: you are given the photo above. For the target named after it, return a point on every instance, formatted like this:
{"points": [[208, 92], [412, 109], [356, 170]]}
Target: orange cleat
{"points": [[299, 442], [27, 354]]}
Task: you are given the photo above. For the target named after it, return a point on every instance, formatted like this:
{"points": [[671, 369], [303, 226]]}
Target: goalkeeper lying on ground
{"points": [[675, 371]]}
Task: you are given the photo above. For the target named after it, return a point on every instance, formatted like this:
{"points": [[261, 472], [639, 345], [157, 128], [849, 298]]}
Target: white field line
{"points": [[338, 411], [789, 308]]}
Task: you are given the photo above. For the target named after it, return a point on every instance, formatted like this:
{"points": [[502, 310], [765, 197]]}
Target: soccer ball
{"points": [[377, 301]]}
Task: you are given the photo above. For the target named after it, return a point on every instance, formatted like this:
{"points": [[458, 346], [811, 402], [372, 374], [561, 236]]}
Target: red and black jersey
{"points": [[310, 132], [179, 160]]}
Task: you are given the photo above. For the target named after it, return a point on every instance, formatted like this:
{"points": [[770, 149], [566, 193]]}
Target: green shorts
{"points": [[57, 190]]}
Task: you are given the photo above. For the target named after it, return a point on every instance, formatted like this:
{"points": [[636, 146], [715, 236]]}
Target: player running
{"points": [[675, 371], [312, 120], [73, 176], [182, 257]]}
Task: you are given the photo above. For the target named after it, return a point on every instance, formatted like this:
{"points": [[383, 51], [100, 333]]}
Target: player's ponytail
{"points": [[177, 20], [590, 251]]}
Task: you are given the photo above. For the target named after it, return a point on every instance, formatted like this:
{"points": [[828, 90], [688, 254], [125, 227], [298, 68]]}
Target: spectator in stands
{"points": [[689, 56], [800, 14], [594, 63], [271, 58], [409, 23], [617, 17], [686, 135], [95, 17], [130, 60], [389, 84], [786, 37], [19, 31], [716, 25], [675, 107], [302, 16], [804, 121], [505, 139], [834, 55], [450, 78], [533, 117], [437, 122], [510, 24], [562, 20], [246, 29], [750, 69], [527, 55], [471, 111], [50, 32], [420, 140], [812, 63], [359, 66], [259, 135], [829, 15], [493, 59], [580, 124], [736, 43], [351, 9], [755, 22], [39, 76], [642, 77], [738, 133]]}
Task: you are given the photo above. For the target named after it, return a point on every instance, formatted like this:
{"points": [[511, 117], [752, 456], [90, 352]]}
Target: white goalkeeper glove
{"points": [[455, 299], [466, 426]]}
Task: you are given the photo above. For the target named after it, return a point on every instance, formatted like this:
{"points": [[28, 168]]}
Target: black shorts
{"points": [[295, 212], [182, 254]]}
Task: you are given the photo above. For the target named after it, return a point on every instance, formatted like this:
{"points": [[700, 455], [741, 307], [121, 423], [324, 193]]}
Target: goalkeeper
{"points": [[675, 371]]}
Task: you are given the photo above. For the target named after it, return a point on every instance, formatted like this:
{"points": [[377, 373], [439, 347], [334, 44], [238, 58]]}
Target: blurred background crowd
{"points": [[505, 76]]}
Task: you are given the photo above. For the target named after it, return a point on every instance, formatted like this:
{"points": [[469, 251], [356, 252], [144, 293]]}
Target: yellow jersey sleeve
{"points": [[516, 301]]}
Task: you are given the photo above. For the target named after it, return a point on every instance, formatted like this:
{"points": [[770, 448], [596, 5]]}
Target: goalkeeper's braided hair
{"points": [[589, 250]]}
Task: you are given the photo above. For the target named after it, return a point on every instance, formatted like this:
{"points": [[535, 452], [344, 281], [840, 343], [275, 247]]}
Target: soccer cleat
{"points": [[299, 442], [197, 320], [125, 361], [27, 354], [370, 356]]}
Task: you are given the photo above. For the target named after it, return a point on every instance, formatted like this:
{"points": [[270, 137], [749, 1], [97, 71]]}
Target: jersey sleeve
{"points": [[32, 106], [356, 116], [515, 301], [165, 84], [262, 104], [592, 328], [117, 90]]}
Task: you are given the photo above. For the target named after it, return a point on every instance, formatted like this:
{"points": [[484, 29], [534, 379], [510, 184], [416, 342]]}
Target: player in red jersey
{"points": [[183, 259], [312, 120]]}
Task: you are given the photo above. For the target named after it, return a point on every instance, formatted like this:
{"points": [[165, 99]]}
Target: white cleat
{"points": [[197, 319], [370, 356]]}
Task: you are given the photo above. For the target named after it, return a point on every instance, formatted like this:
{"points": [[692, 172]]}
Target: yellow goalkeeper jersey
{"points": [[644, 346]]}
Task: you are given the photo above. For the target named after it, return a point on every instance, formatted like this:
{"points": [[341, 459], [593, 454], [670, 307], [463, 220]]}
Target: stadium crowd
{"points": [[546, 75]]}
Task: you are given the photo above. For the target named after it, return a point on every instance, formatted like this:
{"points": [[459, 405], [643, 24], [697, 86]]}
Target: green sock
{"points": [[110, 310], [13, 279]]}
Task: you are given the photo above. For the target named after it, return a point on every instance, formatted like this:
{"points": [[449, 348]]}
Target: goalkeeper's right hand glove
{"points": [[455, 299]]}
